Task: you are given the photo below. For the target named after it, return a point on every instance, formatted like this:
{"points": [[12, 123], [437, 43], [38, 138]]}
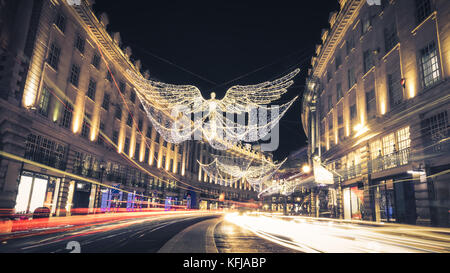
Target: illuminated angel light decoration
{"points": [[288, 186], [242, 115], [284, 187], [230, 170]]}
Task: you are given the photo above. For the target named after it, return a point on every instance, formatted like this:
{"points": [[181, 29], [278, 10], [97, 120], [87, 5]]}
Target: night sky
{"points": [[215, 45]]}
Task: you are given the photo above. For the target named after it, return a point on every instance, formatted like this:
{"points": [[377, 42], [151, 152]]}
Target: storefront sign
{"points": [[322, 175]]}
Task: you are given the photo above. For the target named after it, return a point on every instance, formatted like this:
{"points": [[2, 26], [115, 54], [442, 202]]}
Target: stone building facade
{"points": [[376, 110], [71, 124]]}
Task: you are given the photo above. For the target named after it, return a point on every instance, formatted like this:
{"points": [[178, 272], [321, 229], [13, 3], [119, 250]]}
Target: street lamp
{"points": [[306, 169]]}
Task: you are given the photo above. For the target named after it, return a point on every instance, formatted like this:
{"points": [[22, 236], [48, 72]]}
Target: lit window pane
{"points": [[23, 195], [38, 195]]}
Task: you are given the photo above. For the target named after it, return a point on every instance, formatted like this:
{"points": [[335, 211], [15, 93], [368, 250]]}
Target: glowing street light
{"points": [[360, 129], [306, 169]]}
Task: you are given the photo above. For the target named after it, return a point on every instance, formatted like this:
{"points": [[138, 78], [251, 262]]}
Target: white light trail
{"points": [[312, 236]]}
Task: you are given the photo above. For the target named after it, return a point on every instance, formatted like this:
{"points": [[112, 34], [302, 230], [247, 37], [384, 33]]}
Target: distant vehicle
{"points": [[244, 210], [41, 213]]}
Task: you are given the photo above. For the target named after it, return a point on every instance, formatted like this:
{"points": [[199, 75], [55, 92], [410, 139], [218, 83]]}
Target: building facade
{"points": [[376, 110], [73, 134]]}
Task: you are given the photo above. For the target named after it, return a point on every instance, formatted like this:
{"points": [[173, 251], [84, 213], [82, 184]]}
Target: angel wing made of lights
{"points": [[186, 111], [227, 170]]}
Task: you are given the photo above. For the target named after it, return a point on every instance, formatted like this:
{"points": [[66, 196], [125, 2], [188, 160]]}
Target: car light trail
{"points": [[25, 228], [334, 237]]}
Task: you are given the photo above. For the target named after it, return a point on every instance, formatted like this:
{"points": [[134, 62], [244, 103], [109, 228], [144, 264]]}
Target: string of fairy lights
{"points": [[192, 114], [215, 120], [233, 169], [156, 96]]}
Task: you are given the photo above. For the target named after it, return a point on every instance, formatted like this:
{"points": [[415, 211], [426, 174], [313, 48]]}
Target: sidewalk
{"points": [[198, 238]]}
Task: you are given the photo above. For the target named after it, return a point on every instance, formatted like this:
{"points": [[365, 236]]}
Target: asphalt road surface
{"points": [[219, 233], [205, 233]]}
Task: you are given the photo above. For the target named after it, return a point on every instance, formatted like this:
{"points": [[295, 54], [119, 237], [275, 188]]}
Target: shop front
{"points": [[82, 198], [326, 202], [110, 199], [353, 197], [37, 191], [203, 205], [393, 199], [384, 200]]}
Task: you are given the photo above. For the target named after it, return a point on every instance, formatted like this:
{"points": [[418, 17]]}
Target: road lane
{"points": [[145, 235], [231, 238], [231, 233], [319, 235]]}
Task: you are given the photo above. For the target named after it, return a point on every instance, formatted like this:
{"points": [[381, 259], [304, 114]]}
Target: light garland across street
{"points": [[179, 112], [228, 170]]}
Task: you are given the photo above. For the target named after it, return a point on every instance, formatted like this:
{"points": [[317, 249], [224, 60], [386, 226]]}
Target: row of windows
{"points": [[66, 121], [74, 77], [85, 130], [386, 152], [428, 56], [53, 60], [75, 70], [430, 74]]}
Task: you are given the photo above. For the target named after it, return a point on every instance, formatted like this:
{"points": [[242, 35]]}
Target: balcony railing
{"points": [[351, 172], [387, 162]]}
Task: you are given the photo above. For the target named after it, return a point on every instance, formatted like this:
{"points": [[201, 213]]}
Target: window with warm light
{"points": [[429, 65]]}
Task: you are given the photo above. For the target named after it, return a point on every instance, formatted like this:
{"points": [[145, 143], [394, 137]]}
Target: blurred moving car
{"points": [[41, 213]]}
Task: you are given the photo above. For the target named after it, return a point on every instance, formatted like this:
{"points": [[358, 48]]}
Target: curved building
{"points": [[376, 110]]}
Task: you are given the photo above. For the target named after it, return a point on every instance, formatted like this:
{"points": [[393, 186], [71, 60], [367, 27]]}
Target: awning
{"points": [[322, 175]]}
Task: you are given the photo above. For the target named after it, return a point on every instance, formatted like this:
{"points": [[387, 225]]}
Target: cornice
{"points": [[333, 37]]}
